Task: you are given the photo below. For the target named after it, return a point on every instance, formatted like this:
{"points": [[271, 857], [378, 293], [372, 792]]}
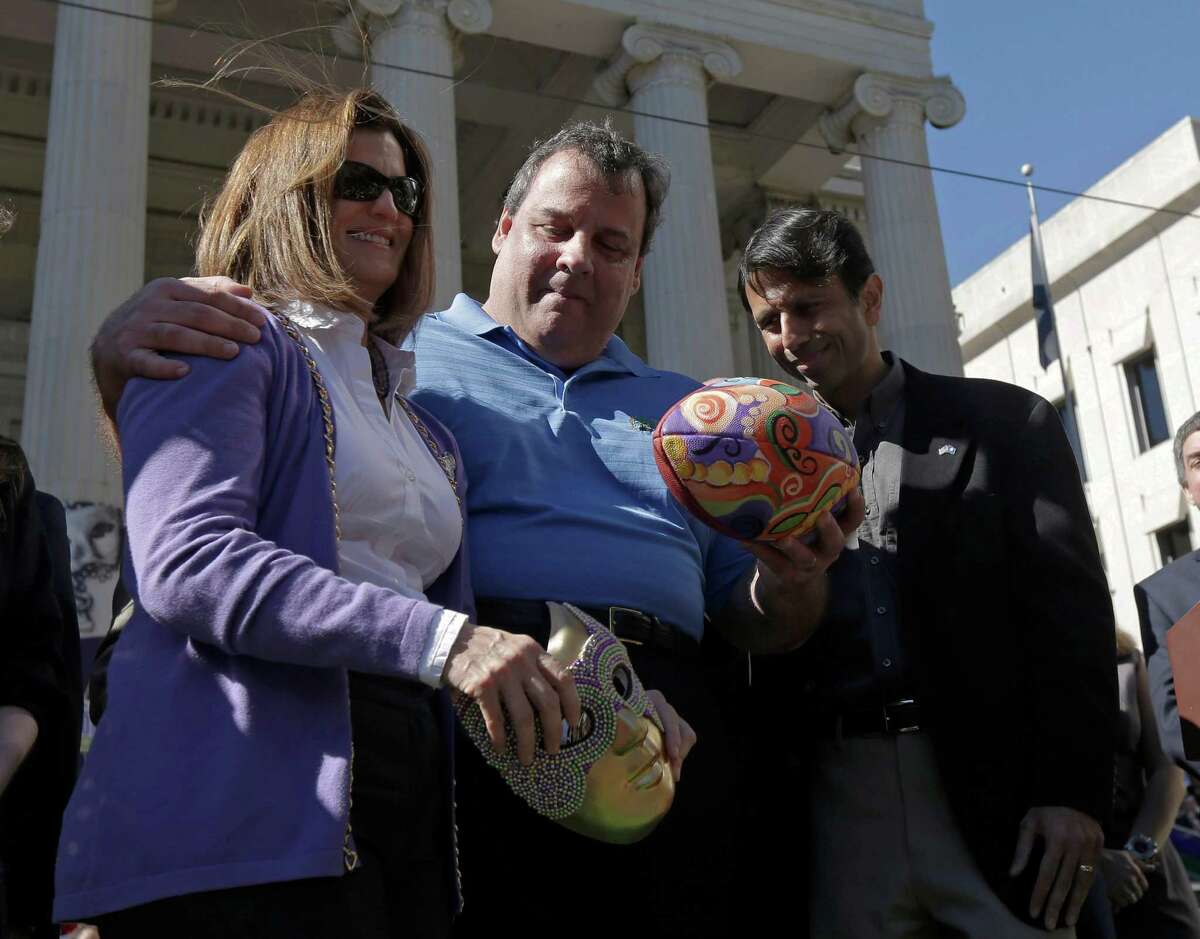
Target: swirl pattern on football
{"points": [[755, 458]]}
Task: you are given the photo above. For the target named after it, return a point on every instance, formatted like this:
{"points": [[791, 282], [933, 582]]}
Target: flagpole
{"points": [[1068, 406]]}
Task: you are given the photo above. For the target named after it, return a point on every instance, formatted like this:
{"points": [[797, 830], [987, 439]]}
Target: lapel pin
{"points": [[947, 448]]}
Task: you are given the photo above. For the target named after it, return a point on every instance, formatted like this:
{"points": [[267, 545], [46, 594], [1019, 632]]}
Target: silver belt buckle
{"points": [[894, 725], [612, 625]]}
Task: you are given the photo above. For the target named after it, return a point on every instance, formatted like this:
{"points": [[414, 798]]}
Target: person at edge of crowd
{"points": [[1165, 597], [962, 683], [553, 414], [229, 785], [1147, 885], [41, 698]]}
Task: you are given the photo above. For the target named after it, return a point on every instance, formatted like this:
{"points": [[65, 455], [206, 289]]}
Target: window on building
{"points": [[1173, 542], [1145, 399], [1070, 422]]}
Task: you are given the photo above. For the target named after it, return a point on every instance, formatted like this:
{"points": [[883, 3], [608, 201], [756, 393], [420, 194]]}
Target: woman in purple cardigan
{"points": [[275, 758]]}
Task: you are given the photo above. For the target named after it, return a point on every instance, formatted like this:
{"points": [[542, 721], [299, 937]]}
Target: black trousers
{"points": [[399, 818], [695, 875]]}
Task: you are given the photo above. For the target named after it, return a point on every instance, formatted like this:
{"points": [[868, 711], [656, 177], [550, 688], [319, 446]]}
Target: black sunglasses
{"points": [[361, 183]]}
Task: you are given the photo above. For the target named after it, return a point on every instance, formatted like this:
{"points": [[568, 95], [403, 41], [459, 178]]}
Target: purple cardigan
{"points": [[222, 759]]}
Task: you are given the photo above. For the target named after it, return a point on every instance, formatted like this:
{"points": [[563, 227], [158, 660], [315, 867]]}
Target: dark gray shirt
{"points": [[861, 655]]}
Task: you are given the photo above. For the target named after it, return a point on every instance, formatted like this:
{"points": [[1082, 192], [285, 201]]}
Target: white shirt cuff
{"points": [[438, 645]]}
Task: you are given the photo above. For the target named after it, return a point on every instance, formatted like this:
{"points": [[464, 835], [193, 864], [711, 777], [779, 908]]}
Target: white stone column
{"points": [[885, 116], [418, 36], [90, 258], [667, 71]]}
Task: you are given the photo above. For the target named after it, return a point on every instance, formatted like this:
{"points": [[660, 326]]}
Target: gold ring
{"points": [[1087, 868]]}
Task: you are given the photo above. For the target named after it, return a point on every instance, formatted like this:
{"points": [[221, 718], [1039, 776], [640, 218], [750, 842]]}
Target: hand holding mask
{"points": [[610, 779]]}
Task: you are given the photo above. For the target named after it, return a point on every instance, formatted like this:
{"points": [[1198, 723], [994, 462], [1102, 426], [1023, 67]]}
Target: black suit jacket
{"points": [[1162, 600], [1002, 588], [39, 671]]}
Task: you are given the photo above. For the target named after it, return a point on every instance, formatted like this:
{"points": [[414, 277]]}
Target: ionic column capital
{"points": [[689, 57], [365, 19], [877, 98]]}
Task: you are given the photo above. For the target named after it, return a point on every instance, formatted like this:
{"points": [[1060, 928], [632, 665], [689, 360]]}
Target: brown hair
{"points": [[1126, 644], [270, 225]]}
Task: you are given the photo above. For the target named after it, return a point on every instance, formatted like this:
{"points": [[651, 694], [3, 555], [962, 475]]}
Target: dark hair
{"points": [[613, 155], [811, 245], [13, 470], [1186, 429]]}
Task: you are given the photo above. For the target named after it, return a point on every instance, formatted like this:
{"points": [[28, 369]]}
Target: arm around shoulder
{"points": [[196, 316]]}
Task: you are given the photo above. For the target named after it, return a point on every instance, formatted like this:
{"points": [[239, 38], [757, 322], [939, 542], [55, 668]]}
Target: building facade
{"points": [[753, 102], [1126, 288]]}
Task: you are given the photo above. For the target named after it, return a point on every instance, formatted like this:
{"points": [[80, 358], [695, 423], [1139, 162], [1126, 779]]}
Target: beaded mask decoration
{"points": [[754, 458], [610, 779]]}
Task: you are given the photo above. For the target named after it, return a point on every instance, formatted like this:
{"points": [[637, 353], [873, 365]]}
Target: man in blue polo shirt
{"points": [[563, 474], [553, 414]]}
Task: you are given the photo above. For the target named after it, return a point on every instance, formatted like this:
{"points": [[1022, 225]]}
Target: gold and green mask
{"points": [[610, 779]]}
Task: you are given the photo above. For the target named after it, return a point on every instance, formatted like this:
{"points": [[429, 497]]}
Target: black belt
{"points": [[631, 626], [898, 717]]}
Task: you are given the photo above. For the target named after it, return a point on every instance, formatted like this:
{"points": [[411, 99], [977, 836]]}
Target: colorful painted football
{"points": [[755, 458]]}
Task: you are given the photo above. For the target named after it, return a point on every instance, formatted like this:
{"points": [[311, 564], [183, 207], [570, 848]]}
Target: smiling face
{"points": [[568, 260], [821, 333], [371, 239]]}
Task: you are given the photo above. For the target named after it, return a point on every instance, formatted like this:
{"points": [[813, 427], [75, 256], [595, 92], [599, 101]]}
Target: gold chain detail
{"points": [[444, 458], [349, 855]]}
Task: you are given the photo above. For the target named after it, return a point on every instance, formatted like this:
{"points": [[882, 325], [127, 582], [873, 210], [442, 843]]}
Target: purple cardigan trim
{"points": [[222, 758]]}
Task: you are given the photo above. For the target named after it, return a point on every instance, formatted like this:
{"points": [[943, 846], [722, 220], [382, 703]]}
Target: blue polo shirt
{"points": [[564, 498]]}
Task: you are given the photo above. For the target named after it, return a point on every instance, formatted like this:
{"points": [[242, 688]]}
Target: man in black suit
{"points": [[962, 683], [1163, 598]]}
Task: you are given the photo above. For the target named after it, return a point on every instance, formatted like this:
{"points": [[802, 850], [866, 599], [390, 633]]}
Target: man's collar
{"points": [[622, 355], [884, 397], [469, 316]]}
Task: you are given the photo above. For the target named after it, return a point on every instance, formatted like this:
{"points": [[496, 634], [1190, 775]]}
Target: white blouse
{"points": [[400, 522]]}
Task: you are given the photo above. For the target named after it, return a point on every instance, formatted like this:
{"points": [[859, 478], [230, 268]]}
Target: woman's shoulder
{"points": [[279, 344], [272, 366]]}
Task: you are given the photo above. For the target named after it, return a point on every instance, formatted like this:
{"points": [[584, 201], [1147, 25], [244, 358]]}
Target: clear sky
{"points": [[1074, 87]]}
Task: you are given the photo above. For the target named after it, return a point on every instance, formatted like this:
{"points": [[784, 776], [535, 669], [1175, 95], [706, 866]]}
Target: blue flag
{"points": [[1043, 306]]}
